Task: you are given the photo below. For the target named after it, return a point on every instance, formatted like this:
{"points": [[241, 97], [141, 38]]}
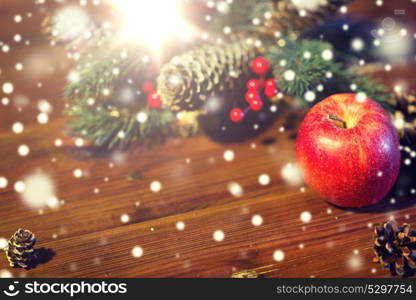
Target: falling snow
{"points": [[235, 189], [155, 186], [3, 243], [3, 182], [180, 226], [306, 217], [264, 179], [137, 251], [218, 236], [38, 190], [257, 220], [124, 218], [229, 155], [278, 255], [8, 88]]}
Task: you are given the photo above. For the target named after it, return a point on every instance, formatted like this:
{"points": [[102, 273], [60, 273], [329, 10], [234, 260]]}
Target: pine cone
{"points": [[20, 251], [404, 116], [287, 15], [395, 248], [188, 80]]}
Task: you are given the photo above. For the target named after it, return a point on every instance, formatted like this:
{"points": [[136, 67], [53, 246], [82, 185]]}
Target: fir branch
{"points": [[106, 122], [304, 58], [99, 70], [106, 126], [313, 72], [345, 80]]}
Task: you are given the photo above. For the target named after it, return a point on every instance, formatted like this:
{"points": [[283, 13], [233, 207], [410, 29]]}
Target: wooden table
{"points": [[174, 227]]}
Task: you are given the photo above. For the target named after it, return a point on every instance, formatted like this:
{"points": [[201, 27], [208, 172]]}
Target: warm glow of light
{"points": [[151, 21]]}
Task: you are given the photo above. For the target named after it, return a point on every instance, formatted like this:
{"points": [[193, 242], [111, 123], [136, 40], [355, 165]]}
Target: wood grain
{"points": [[86, 233]]}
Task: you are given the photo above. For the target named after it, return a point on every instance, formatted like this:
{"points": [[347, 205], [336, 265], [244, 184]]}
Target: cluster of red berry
{"points": [[154, 101], [261, 67]]}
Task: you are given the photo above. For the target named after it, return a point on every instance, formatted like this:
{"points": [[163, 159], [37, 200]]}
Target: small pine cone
{"points": [[188, 80], [287, 15], [20, 251], [404, 116], [395, 248]]}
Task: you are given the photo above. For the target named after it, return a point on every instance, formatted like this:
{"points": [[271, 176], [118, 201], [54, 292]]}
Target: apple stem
{"points": [[335, 118]]}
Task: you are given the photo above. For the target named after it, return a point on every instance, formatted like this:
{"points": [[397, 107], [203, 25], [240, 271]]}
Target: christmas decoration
{"points": [[252, 95], [270, 91], [260, 66], [404, 116], [188, 80], [20, 251], [253, 84], [106, 126], [213, 68], [311, 71], [306, 70], [395, 248], [256, 104], [97, 113], [270, 84], [237, 115], [348, 150], [154, 101]]}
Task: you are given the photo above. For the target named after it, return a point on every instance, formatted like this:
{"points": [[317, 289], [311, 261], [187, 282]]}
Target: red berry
{"points": [[253, 84], [236, 115], [260, 66], [270, 91], [270, 83], [256, 105], [154, 101], [148, 87], [252, 95]]}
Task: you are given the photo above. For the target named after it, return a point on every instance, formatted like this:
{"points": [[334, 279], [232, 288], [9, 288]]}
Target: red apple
{"points": [[348, 150]]}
